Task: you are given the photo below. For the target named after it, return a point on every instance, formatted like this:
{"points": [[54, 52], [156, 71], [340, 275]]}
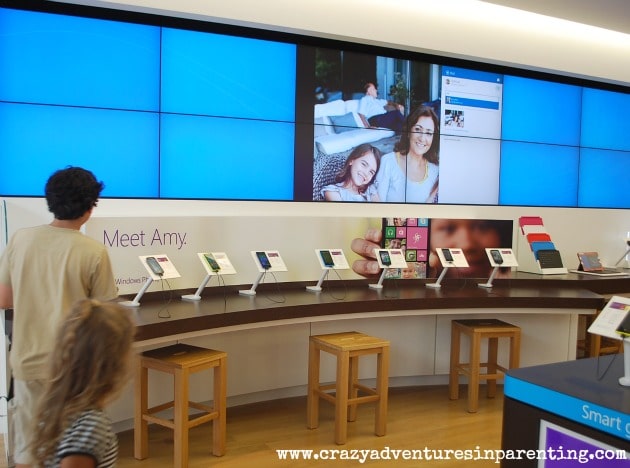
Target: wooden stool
{"points": [[347, 348], [477, 329], [180, 360]]}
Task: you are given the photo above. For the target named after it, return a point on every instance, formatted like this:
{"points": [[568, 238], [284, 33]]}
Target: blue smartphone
{"points": [[264, 261]]}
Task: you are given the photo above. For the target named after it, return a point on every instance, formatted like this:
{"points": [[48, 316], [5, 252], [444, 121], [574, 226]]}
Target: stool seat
{"points": [[180, 360], [347, 347], [477, 330]]}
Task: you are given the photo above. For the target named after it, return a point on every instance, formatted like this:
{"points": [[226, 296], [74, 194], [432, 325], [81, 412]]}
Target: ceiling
{"points": [[608, 14]]}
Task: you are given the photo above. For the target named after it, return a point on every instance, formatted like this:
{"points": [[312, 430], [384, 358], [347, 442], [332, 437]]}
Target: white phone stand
{"points": [[438, 283], [224, 267], [618, 262], [275, 263], [168, 271], [379, 285], [136, 300], [458, 260], [252, 291], [395, 259], [506, 258], [339, 262], [197, 295], [318, 286], [488, 284]]}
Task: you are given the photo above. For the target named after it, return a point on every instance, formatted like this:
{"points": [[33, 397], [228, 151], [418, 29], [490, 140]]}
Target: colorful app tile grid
{"points": [[412, 236]]}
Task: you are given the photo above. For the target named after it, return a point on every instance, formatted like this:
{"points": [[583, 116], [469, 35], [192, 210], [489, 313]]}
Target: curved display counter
{"points": [[266, 335], [164, 316]]}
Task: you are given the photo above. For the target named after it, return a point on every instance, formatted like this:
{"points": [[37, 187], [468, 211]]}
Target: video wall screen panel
{"points": [[118, 146], [604, 178], [160, 107], [541, 112], [538, 174], [73, 61], [226, 158], [219, 75], [603, 122]]}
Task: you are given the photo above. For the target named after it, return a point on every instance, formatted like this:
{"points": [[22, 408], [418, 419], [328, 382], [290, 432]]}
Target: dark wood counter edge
{"points": [[222, 306], [600, 284]]}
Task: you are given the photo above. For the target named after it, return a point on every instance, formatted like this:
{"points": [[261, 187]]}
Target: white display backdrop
{"points": [[572, 229], [181, 238]]}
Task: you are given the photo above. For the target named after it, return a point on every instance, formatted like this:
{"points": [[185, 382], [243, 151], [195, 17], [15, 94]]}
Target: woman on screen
{"points": [[355, 180], [410, 172]]}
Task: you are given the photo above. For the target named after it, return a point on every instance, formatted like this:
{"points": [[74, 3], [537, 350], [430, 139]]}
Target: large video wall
{"points": [[166, 108]]}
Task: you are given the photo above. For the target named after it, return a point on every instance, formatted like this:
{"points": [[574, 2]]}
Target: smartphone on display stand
{"points": [[155, 266], [385, 259], [624, 327], [214, 266], [264, 261], [447, 255], [496, 256], [327, 258]]}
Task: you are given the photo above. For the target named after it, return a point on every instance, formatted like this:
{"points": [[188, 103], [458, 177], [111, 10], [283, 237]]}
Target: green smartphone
{"points": [[214, 266]]}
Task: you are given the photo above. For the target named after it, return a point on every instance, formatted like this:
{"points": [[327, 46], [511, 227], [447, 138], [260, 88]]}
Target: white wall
{"points": [[572, 229]]}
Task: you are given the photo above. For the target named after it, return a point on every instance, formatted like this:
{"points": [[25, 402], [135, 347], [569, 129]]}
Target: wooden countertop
{"points": [[164, 313]]}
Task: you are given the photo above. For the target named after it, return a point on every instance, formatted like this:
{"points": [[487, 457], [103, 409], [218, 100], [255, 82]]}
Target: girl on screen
{"points": [[355, 180], [410, 172]]}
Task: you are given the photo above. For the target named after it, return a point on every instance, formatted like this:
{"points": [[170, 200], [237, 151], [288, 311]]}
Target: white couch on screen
{"points": [[339, 127]]}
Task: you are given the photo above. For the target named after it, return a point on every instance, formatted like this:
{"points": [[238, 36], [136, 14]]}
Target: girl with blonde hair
{"points": [[88, 367]]}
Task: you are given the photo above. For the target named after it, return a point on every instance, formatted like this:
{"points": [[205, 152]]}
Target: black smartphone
{"points": [[264, 261], [385, 260], [214, 266], [155, 266], [496, 256], [447, 255], [327, 258], [624, 327]]}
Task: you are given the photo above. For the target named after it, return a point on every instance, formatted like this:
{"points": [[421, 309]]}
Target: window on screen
{"points": [[469, 136]]}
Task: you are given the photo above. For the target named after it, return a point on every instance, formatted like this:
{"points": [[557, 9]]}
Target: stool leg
{"points": [[515, 350], [473, 381], [312, 397], [219, 423], [453, 381], [353, 390], [341, 398], [180, 419], [140, 425], [493, 353], [382, 389]]}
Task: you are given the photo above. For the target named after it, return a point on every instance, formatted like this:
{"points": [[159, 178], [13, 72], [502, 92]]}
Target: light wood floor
{"points": [[418, 417]]}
